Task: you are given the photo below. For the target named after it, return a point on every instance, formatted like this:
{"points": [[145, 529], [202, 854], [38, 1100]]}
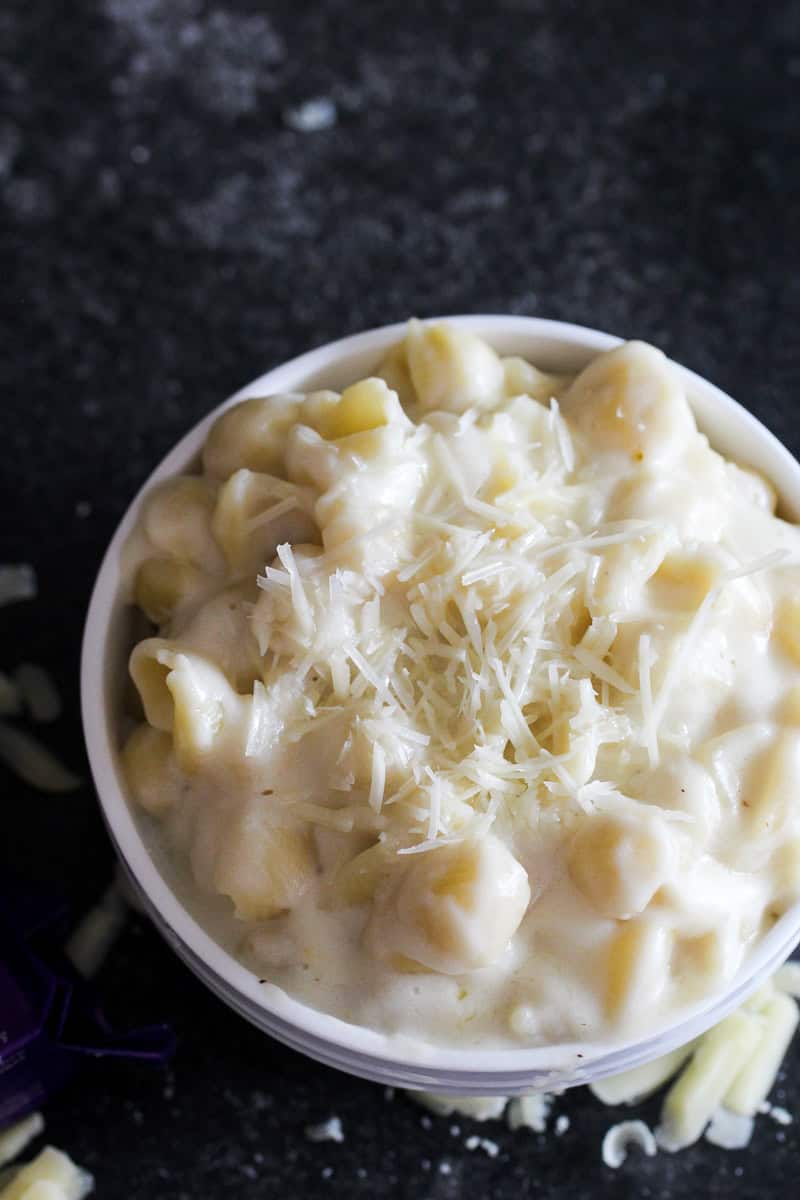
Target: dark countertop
{"points": [[166, 236]]}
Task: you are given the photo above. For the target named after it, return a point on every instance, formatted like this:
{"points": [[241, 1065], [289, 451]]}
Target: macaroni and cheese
{"points": [[473, 697]]}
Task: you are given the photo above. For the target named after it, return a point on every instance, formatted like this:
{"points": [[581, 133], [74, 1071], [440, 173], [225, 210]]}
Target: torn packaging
{"points": [[51, 1018]]}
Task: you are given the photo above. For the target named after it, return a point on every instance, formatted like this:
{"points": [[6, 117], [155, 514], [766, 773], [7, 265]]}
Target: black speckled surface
{"points": [[165, 236]]}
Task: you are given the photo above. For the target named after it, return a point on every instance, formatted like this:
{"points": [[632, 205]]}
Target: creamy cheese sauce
{"points": [[474, 706]]}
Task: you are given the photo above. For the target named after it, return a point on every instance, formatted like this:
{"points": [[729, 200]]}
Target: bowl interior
{"points": [[190, 926]]}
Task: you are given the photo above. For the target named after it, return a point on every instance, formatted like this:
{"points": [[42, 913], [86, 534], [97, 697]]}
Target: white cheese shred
{"points": [[39, 692], [529, 1112], [777, 558], [435, 805], [480, 1108], [678, 664], [15, 1139], [17, 582], [300, 602], [273, 513], [33, 762], [326, 1131], [565, 446], [473, 1142], [776, 1113], [649, 736], [603, 671], [620, 1138], [10, 699], [91, 941], [728, 1130], [378, 779]]}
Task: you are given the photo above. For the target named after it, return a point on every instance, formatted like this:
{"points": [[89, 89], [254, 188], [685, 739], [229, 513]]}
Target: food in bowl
{"points": [[475, 695]]}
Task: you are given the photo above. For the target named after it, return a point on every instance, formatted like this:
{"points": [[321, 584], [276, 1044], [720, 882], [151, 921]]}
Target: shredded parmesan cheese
{"points": [[378, 780]]}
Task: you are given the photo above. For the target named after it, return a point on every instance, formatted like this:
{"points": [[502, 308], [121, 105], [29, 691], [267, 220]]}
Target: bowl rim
{"points": [[358, 1049]]}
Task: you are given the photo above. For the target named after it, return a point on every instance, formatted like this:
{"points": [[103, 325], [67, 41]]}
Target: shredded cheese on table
{"points": [[694, 1109]]}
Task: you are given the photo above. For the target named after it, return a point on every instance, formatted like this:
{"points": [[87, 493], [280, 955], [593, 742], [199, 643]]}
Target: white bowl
{"points": [[390, 1059]]}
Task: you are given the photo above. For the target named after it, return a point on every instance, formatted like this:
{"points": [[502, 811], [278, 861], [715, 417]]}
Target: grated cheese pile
{"points": [[450, 695]]}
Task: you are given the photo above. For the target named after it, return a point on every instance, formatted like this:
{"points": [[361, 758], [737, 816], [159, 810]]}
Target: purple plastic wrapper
{"points": [[50, 1018]]}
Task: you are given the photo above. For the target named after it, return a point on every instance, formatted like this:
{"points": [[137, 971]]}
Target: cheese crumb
{"points": [[619, 1138], [480, 1108], [312, 116], [729, 1130], [326, 1131], [776, 1112], [787, 979], [529, 1112], [486, 1144], [14, 1140], [17, 582], [39, 692], [51, 1174]]}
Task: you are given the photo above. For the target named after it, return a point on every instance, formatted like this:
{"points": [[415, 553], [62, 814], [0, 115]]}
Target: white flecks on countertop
{"points": [[326, 1131], [473, 1142], [312, 116], [225, 58]]}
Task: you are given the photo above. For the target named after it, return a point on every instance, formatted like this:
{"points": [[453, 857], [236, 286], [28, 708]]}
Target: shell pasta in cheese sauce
{"points": [[472, 700]]}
